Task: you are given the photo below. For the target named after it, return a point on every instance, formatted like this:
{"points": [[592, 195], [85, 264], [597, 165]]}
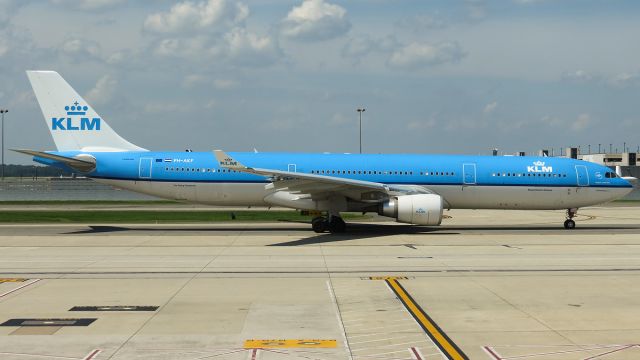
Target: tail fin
{"points": [[73, 123]]}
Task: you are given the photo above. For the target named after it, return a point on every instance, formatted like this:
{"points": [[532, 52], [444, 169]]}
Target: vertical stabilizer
{"points": [[73, 123]]}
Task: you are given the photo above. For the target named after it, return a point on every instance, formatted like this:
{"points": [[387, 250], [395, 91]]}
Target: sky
{"points": [[274, 75]]}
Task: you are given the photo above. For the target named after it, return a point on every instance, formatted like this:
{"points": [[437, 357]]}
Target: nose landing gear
{"points": [[569, 223]]}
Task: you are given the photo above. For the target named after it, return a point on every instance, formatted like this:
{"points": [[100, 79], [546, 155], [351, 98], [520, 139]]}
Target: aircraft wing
{"points": [[74, 163], [319, 186]]}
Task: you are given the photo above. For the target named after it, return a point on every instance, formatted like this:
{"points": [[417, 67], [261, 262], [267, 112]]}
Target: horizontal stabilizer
{"points": [[84, 164]]}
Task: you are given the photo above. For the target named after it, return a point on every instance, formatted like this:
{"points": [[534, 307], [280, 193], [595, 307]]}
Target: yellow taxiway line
{"points": [[442, 341]]}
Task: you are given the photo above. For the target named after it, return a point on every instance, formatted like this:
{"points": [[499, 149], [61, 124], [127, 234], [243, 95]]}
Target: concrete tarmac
{"points": [[485, 285]]}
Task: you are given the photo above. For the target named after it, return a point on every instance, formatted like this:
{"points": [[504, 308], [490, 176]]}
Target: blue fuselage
{"points": [[464, 181]]}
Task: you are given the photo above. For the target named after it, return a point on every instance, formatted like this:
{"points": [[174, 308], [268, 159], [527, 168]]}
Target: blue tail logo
{"points": [[76, 119]]}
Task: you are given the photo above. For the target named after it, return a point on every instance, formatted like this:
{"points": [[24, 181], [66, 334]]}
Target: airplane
{"points": [[410, 188]]}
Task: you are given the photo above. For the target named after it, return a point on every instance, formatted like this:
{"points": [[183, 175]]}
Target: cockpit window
{"points": [[610, 175]]}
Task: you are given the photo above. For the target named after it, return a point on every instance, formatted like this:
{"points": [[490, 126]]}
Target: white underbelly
{"points": [[455, 196], [526, 198], [222, 194]]}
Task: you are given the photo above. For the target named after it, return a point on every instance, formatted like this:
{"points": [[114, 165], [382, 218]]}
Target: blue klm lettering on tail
{"points": [[70, 124], [67, 123]]}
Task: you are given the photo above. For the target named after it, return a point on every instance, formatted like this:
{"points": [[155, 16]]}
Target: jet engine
{"points": [[420, 209]]}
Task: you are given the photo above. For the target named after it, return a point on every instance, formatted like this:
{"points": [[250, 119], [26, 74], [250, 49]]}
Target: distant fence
{"points": [[27, 189]]}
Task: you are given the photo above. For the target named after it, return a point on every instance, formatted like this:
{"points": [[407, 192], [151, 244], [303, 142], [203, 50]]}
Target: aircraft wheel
{"points": [[337, 225], [569, 224], [319, 224]]}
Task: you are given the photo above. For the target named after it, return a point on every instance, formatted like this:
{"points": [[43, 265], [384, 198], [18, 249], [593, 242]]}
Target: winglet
{"points": [[227, 161]]}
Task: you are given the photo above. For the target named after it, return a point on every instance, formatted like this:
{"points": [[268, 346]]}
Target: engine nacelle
{"points": [[420, 209]]}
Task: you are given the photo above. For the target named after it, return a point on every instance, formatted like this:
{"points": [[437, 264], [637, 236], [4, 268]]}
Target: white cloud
{"points": [[188, 16], [88, 4], [165, 107], [578, 76], [230, 41], [582, 122], [183, 47], [359, 47], [551, 120], [80, 49], [4, 45], [625, 79], [224, 83], [246, 48], [103, 92], [417, 55], [424, 22], [21, 99], [490, 107], [192, 80], [316, 20], [340, 119], [236, 47], [527, 2], [476, 9], [211, 104], [6, 9]]}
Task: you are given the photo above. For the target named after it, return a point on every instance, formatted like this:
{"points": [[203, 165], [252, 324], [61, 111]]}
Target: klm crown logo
{"points": [[76, 109], [75, 119], [538, 167]]}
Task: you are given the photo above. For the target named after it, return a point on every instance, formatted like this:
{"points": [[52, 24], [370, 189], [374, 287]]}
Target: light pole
{"points": [[3, 111], [360, 111]]}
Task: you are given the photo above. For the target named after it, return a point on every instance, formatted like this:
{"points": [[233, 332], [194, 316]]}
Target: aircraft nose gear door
{"points": [[469, 173], [583, 176], [144, 171]]}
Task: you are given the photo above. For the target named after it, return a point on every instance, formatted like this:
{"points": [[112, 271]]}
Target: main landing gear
{"points": [[333, 224], [569, 223]]}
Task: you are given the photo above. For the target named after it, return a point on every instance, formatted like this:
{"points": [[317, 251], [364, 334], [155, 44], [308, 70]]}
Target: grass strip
{"points": [[72, 216]]}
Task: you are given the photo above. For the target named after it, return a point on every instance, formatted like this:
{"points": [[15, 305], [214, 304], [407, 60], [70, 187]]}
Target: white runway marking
{"points": [[19, 287]]}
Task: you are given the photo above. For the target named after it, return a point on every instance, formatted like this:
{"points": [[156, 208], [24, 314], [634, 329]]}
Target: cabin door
{"points": [[469, 174], [144, 170], [583, 175]]}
